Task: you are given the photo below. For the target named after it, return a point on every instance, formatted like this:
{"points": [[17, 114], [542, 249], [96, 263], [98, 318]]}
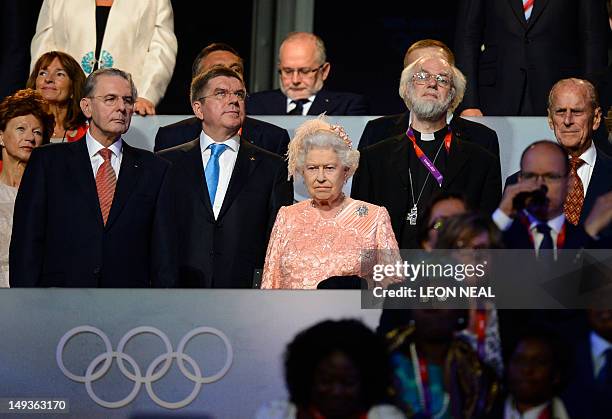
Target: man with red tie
{"points": [[88, 213]]}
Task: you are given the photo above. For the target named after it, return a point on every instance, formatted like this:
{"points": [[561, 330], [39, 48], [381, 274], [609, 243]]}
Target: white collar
{"points": [[205, 141], [556, 224], [93, 146], [590, 155], [310, 99], [599, 345]]}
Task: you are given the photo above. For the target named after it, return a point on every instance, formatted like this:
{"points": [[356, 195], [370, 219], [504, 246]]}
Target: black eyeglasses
{"points": [[222, 94], [304, 72], [546, 177]]}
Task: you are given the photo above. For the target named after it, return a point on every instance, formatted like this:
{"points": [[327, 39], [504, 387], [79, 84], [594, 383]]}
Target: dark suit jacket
{"points": [[603, 83], [382, 179], [378, 129], [274, 102], [517, 237], [59, 239], [224, 253], [262, 134], [600, 183], [563, 38]]}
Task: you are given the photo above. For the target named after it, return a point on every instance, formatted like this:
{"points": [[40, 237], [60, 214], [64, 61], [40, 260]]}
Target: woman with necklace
{"points": [[24, 125], [437, 375], [329, 234], [59, 79]]}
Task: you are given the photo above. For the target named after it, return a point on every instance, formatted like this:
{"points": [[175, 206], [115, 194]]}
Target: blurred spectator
{"points": [[335, 370], [328, 234], [379, 129], [137, 37], [260, 133], [437, 374], [302, 69], [402, 174], [512, 52], [440, 208], [60, 80], [24, 125]]}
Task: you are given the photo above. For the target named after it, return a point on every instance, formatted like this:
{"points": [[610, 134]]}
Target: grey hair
{"points": [[458, 81], [92, 80], [318, 134], [319, 45], [591, 91]]}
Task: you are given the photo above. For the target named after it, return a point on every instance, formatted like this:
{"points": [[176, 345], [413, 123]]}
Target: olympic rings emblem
{"points": [[106, 359]]}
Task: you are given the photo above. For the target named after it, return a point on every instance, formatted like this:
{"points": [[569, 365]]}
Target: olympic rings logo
{"points": [[106, 359]]}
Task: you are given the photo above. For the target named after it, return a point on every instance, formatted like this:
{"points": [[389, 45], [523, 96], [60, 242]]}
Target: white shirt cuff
{"points": [[500, 219]]}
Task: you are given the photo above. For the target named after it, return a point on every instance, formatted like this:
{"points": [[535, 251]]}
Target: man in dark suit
{"points": [[262, 134], [88, 213], [589, 389], [513, 51], [303, 69], [389, 126], [403, 172], [226, 191]]}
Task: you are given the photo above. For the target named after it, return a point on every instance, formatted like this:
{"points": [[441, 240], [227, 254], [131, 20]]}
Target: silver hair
{"points": [[319, 45], [92, 80], [456, 92]]}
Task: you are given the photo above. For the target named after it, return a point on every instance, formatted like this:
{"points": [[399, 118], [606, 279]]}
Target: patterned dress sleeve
{"points": [[386, 244], [271, 274]]}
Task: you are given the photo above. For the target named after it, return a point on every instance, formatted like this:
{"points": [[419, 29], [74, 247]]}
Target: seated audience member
{"points": [[380, 129], [403, 172], [225, 192], [24, 125], [60, 81], [589, 391], [335, 370], [88, 213], [302, 69], [135, 36], [475, 232], [537, 371], [328, 234], [262, 134], [441, 207], [437, 374]]}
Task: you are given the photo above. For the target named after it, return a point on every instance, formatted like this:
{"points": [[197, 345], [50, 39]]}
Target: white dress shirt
{"points": [[227, 161], [93, 147], [598, 348], [586, 170], [305, 107]]}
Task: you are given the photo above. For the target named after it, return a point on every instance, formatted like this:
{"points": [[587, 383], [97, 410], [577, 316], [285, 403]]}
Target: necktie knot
{"points": [[216, 150], [105, 153], [299, 106], [576, 163], [543, 228]]}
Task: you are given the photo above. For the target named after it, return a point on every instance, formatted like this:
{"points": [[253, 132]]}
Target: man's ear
{"points": [[550, 121], [325, 70], [597, 118], [85, 104], [197, 110]]}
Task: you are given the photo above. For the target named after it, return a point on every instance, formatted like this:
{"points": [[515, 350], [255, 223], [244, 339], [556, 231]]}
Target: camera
{"points": [[536, 198]]}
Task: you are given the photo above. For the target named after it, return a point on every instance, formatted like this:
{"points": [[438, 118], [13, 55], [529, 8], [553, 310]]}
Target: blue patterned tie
{"points": [[212, 169]]}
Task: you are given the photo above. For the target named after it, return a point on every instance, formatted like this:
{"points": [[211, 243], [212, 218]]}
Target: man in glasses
{"points": [[88, 213], [225, 192], [303, 69], [404, 172], [260, 133]]}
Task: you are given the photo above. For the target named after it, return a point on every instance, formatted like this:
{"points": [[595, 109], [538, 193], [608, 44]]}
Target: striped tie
{"points": [[575, 196], [527, 8], [106, 180]]}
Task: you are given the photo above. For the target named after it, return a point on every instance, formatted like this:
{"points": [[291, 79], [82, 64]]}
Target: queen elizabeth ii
{"points": [[329, 234]]}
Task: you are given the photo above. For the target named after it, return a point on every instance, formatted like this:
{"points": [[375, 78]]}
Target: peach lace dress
{"points": [[306, 248]]}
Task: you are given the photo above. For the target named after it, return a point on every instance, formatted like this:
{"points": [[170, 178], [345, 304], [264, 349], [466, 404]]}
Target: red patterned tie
{"points": [[575, 196], [105, 183]]}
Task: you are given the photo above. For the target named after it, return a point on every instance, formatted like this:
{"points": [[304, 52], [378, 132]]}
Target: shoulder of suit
{"points": [[385, 145], [254, 122], [175, 152], [144, 156], [257, 151]]}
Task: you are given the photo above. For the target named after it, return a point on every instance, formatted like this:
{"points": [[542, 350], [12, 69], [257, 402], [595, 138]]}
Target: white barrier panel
{"points": [[148, 353], [514, 133]]}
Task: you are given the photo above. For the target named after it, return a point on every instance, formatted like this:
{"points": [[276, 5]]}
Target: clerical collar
{"points": [[430, 136]]}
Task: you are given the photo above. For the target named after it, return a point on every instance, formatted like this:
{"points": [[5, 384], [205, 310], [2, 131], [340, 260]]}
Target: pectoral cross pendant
{"points": [[412, 216]]}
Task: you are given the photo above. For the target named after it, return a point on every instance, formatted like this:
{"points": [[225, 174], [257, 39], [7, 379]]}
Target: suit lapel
{"points": [[279, 104], [457, 158], [400, 158], [598, 185], [195, 166], [322, 103], [538, 7], [129, 174], [519, 13], [246, 161], [80, 166]]}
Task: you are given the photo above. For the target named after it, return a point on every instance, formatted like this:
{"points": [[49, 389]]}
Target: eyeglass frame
{"points": [[114, 98], [223, 94], [303, 72], [441, 80], [547, 178]]}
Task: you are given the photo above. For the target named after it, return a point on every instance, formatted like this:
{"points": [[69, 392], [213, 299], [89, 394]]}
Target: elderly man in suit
{"points": [[225, 191], [303, 69], [388, 126], [88, 213], [262, 134], [403, 172]]}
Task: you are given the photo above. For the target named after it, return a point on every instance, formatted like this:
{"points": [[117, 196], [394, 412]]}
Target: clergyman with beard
{"points": [[403, 173]]}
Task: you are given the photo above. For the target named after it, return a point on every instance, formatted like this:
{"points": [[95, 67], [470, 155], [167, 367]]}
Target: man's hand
{"points": [[511, 192], [144, 107], [472, 112], [600, 216]]}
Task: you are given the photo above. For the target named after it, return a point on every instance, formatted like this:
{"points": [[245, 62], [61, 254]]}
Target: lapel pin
{"points": [[252, 158]]}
